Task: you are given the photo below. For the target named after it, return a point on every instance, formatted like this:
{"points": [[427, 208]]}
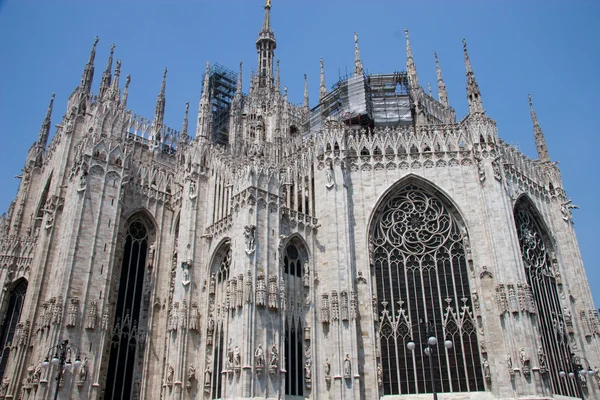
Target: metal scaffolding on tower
{"points": [[222, 85]]}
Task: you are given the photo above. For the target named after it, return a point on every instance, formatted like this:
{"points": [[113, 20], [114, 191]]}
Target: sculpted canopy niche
{"points": [[418, 246]]}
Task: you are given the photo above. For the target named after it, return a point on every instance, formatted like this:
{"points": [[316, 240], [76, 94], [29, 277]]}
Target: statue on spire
{"points": [[358, 68]]}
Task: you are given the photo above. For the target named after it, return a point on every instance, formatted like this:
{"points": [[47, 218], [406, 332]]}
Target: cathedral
{"points": [[371, 246]]}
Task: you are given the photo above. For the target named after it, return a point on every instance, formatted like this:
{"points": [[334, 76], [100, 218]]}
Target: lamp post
{"points": [[431, 344], [62, 358], [577, 371]]}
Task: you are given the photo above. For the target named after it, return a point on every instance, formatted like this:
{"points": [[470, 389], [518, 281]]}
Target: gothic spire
{"points": [[411, 69], [540, 140], [184, 128], [126, 91], [45, 128], [204, 111], [358, 68], [106, 76], [238, 89], [265, 46], [277, 78], [473, 94], [159, 113], [322, 88], [88, 71], [305, 92], [442, 93], [114, 90]]}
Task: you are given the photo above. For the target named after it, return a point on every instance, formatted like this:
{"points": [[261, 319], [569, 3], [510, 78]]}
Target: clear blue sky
{"points": [[544, 47]]}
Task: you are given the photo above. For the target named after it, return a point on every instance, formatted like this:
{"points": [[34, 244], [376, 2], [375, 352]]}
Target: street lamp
{"points": [[576, 369], [63, 353], [428, 350]]}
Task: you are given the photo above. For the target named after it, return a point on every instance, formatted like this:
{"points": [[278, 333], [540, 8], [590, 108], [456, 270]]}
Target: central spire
{"points": [[265, 47]]}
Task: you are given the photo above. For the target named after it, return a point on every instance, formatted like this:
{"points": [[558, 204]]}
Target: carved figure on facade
{"points": [[509, 365], [344, 306], [379, 375], [282, 294], [335, 306], [237, 358], [568, 319], [324, 308], [185, 274], [191, 376], [466, 241], [306, 275], [274, 360], [170, 375], [229, 361], [329, 177], [273, 293], [192, 189], [250, 235], [360, 279], [72, 312], [525, 362], [565, 209], [240, 291], [475, 299], [233, 299], [501, 299], [543, 362], [307, 374], [57, 311], [353, 304], [105, 318], [480, 169], [261, 290], [194, 318], [210, 328], [183, 315], [529, 301], [327, 368], [248, 289], [259, 357], [486, 370], [347, 367], [213, 284], [512, 299], [207, 378], [496, 167], [83, 372]]}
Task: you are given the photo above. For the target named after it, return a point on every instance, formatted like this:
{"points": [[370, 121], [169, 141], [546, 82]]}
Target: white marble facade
{"points": [[259, 267]]}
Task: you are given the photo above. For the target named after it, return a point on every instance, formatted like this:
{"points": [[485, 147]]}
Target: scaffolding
{"points": [[222, 83], [376, 100]]}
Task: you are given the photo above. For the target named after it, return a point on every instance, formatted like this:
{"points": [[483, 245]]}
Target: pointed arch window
{"points": [[220, 295], [419, 266], [10, 321], [536, 251], [126, 335], [296, 283]]}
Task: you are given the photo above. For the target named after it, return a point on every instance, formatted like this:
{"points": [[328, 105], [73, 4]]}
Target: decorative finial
{"points": [[238, 89], [305, 92], [322, 87], [540, 140], [126, 91], [277, 78], [184, 128], [442, 93], [411, 68], [164, 82], [358, 68], [473, 94]]}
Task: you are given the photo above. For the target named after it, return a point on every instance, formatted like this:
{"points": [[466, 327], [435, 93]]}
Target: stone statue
{"points": [[486, 370], [237, 358], [250, 234], [347, 367], [170, 373], [259, 356], [379, 375], [273, 362], [329, 177], [307, 372], [83, 371], [207, 377], [191, 375], [525, 361], [327, 367]]}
